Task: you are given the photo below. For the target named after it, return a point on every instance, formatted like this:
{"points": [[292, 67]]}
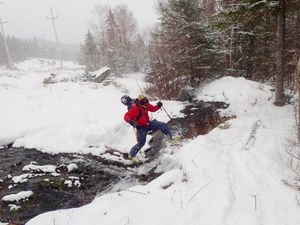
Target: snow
{"points": [[21, 196], [100, 71], [13, 207], [72, 167], [230, 176], [38, 168], [23, 178]]}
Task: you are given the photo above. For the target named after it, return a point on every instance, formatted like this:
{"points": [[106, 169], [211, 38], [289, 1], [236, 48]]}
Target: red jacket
{"points": [[140, 115]]}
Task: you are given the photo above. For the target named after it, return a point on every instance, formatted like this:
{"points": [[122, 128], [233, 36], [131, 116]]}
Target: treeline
{"points": [[196, 40], [22, 49]]}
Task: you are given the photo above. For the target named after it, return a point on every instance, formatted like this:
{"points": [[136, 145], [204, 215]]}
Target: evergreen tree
{"points": [[249, 40], [111, 41], [139, 54], [90, 52], [183, 49], [258, 38]]}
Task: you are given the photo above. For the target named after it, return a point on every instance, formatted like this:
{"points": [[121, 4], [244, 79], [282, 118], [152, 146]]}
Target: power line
{"points": [[53, 18], [9, 63]]}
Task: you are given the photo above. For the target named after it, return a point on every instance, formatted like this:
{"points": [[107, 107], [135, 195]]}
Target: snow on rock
{"points": [[68, 183], [13, 207], [23, 178], [38, 168], [100, 72], [72, 167], [21, 196]]}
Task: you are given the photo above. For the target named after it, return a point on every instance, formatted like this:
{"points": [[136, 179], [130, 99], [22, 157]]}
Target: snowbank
{"points": [[229, 176]]}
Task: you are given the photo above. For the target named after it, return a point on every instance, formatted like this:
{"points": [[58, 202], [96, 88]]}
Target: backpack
{"points": [[126, 100]]}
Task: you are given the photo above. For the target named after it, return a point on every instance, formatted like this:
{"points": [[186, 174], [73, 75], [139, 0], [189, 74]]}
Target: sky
{"points": [[28, 18]]}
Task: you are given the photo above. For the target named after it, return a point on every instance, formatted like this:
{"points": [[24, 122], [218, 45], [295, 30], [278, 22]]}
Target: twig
{"points": [[200, 190], [194, 163], [231, 189], [292, 155], [252, 135], [297, 200], [225, 96], [255, 201], [137, 192]]}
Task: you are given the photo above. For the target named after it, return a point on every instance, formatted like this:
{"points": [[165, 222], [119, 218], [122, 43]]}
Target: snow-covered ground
{"points": [[65, 116], [230, 176]]}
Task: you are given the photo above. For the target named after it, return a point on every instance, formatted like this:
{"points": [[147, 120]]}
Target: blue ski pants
{"points": [[142, 132]]}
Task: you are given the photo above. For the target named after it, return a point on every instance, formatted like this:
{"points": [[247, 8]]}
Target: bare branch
{"points": [[200, 190]]}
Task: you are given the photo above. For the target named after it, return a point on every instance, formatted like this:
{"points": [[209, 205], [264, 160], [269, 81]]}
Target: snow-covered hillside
{"points": [[230, 176]]}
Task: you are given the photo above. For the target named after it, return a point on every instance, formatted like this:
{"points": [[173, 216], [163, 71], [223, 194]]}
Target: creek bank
{"points": [[71, 180]]}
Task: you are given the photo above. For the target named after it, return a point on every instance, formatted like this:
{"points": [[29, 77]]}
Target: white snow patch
{"points": [[38, 168], [100, 71], [23, 178], [72, 167], [68, 183], [13, 207], [21, 196]]}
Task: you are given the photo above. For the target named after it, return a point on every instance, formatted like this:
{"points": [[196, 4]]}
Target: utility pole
{"points": [[9, 63], [55, 33]]}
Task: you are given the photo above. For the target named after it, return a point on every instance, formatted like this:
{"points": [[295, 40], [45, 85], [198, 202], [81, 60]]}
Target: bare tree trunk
{"points": [[298, 29], [279, 90], [298, 81], [231, 48]]}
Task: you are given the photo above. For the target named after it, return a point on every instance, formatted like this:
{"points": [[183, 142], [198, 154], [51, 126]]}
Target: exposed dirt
{"points": [[93, 175]]}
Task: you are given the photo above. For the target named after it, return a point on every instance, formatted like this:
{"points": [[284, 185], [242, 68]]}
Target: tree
{"points": [[183, 50], [90, 52], [280, 56], [117, 37], [139, 54], [260, 32]]}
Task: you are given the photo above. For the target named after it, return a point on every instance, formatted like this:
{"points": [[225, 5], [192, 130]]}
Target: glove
{"points": [[159, 104], [132, 123]]}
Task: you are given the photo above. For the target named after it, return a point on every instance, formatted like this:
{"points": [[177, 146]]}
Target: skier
{"points": [[138, 117]]}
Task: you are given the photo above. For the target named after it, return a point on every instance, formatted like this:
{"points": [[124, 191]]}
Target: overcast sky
{"points": [[27, 18]]}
